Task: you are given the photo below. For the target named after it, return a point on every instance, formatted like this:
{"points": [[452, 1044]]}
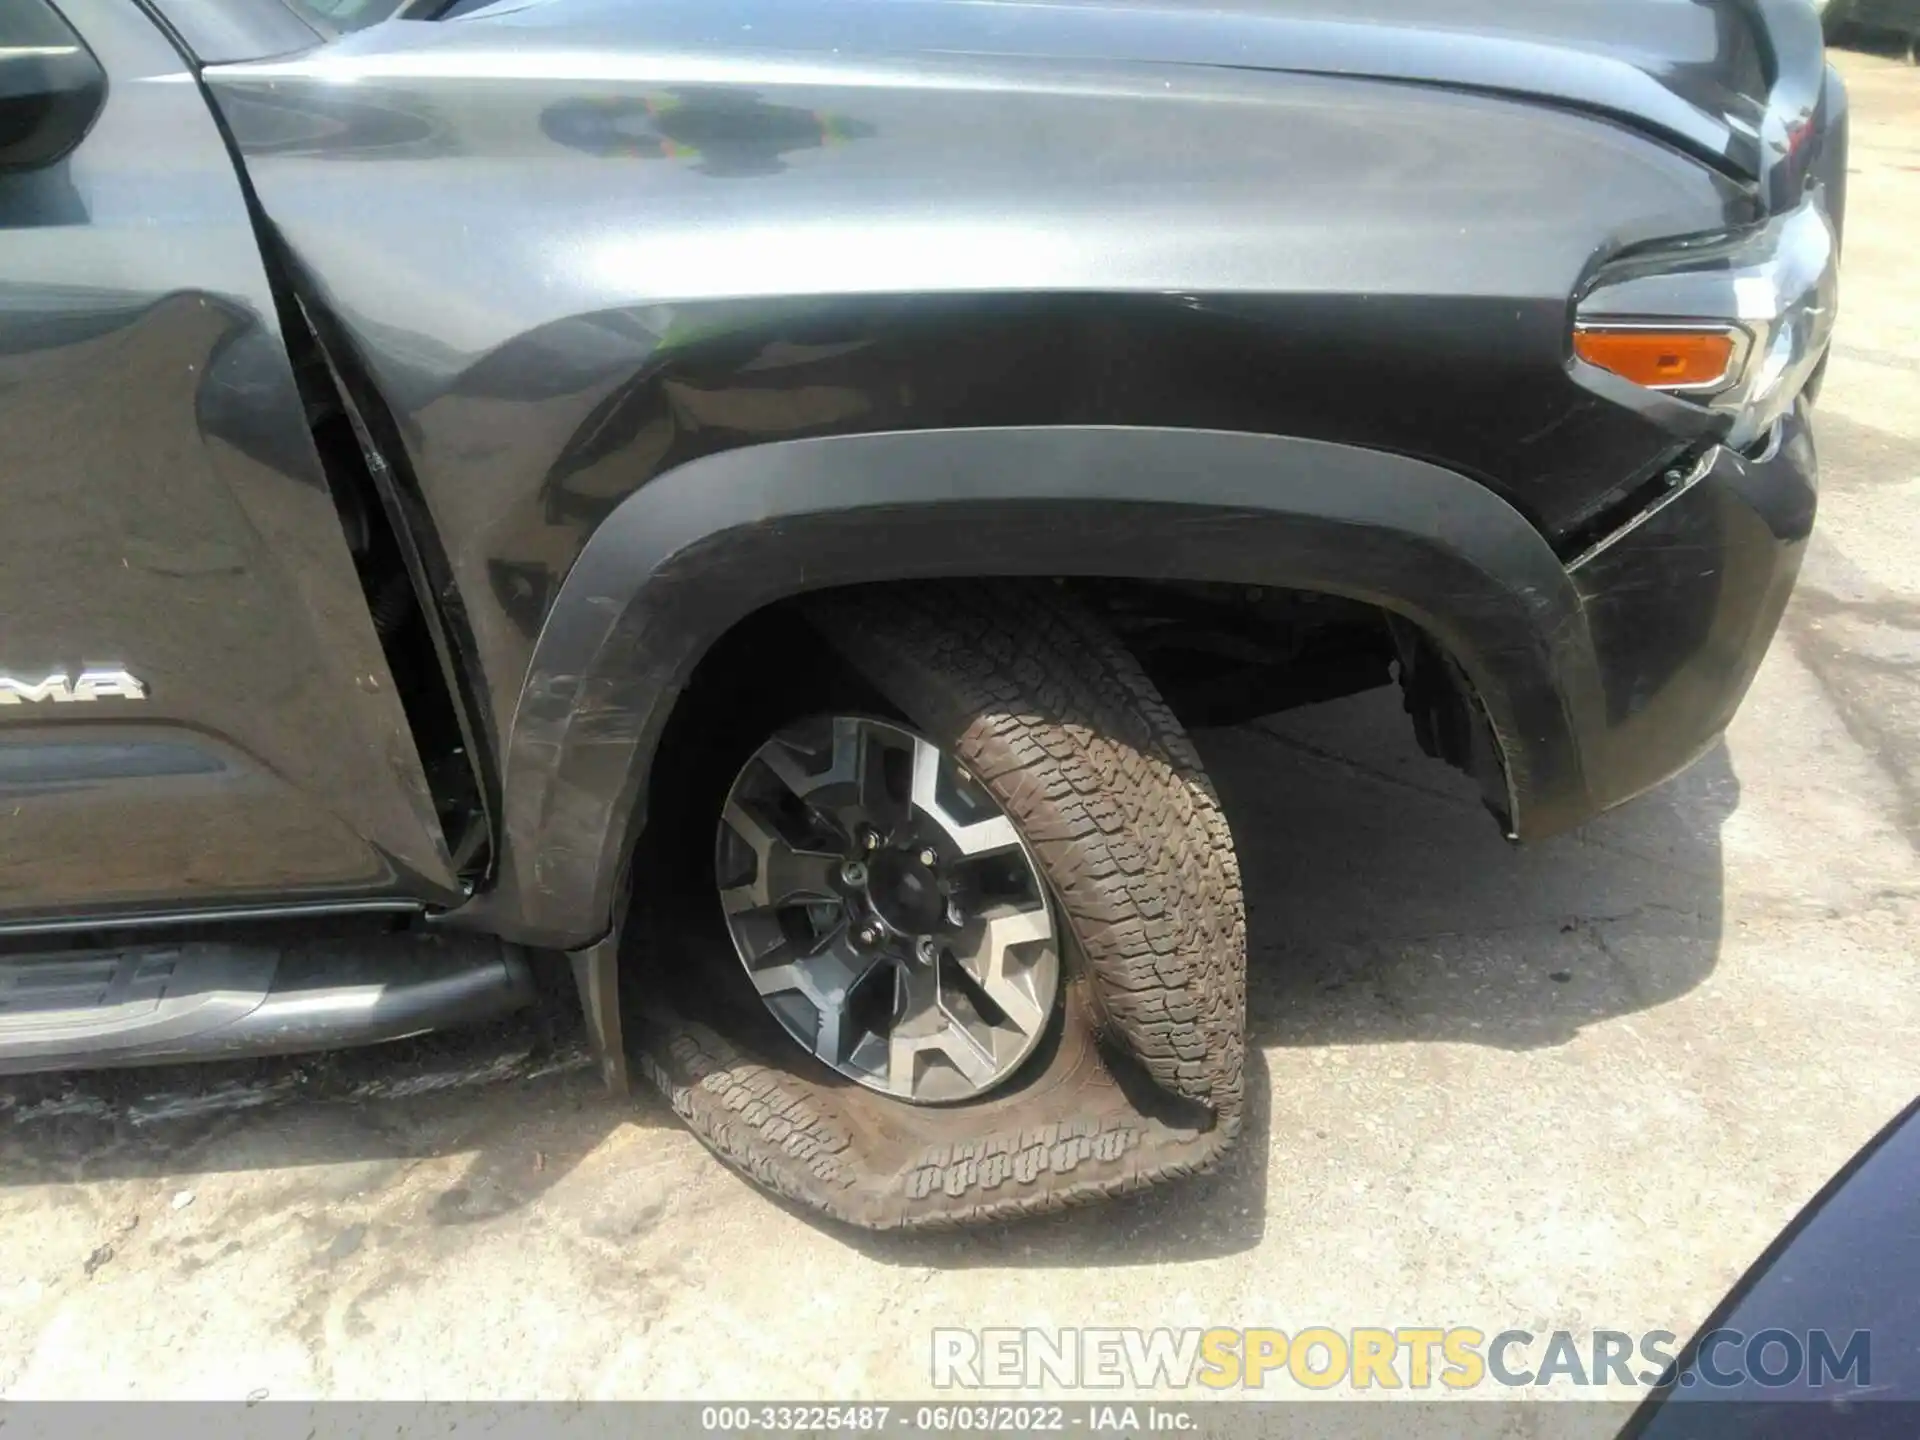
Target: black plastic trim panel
{"points": [[703, 546]]}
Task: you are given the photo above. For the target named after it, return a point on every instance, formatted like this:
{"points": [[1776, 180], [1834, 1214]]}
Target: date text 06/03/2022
{"points": [[938, 1419]]}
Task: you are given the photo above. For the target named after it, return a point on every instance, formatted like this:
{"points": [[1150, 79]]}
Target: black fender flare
{"points": [[701, 547]]}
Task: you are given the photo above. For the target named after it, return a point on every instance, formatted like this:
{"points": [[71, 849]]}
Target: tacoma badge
{"points": [[92, 685]]}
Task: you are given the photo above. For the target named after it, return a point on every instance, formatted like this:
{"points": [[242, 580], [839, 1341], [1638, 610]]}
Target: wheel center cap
{"points": [[905, 893]]}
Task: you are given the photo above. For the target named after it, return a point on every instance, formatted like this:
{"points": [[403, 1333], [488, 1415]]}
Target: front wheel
{"points": [[974, 944], [887, 910]]}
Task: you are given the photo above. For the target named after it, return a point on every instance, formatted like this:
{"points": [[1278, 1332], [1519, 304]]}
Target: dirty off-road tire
{"points": [[1141, 1076]]}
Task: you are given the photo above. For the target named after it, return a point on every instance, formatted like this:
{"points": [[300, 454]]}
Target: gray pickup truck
{"points": [[738, 501]]}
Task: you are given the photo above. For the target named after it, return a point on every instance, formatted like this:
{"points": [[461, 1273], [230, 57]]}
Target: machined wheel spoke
{"points": [[881, 808], [824, 978], [928, 1025], [781, 872], [843, 768], [972, 838], [985, 951], [853, 786]]}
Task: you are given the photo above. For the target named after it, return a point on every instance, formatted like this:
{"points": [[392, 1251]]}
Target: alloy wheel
{"points": [[886, 909]]}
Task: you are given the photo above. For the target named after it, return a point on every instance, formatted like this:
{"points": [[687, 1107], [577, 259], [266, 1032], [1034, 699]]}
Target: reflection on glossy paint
{"points": [[731, 133]]}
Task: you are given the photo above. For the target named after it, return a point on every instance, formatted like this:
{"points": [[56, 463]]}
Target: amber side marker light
{"points": [[1660, 359]]}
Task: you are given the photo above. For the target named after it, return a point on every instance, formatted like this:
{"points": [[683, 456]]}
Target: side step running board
{"points": [[208, 1000]]}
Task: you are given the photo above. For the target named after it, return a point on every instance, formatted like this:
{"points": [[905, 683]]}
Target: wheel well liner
{"points": [[697, 550]]}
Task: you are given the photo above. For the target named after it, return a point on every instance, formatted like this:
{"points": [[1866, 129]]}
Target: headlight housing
{"points": [[1737, 324]]}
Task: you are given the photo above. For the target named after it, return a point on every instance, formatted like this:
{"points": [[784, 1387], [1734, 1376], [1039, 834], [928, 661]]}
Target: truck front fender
{"points": [[701, 547]]}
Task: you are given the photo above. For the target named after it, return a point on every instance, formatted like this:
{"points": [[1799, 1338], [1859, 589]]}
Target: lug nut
{"points": [[923, 947], [867, 935], [927, 857], [869, 838], [854, 874]]}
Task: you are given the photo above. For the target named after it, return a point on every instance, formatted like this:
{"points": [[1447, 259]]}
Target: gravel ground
{"points": [[1578, 1086]]}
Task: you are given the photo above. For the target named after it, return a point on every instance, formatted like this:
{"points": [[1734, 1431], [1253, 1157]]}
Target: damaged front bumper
{"points": [[1678, 606]]}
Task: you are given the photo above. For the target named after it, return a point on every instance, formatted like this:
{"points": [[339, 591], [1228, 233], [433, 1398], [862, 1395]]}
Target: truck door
{"points": [[195, 710]]}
